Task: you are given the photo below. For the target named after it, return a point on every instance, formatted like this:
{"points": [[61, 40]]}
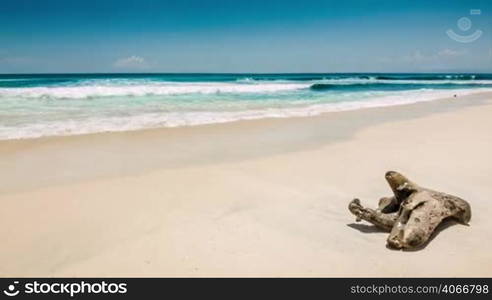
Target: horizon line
{"points": [[238, 73]]}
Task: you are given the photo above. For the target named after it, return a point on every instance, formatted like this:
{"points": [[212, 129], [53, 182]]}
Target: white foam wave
{"points": [[372, 80], [134, 88], [175, 119], [91, 91]]}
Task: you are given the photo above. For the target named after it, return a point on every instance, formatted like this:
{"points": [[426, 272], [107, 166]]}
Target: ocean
{"points": [[36, 105]]}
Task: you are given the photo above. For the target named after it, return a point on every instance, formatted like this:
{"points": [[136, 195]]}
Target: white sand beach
{"points": [[250, 198]]}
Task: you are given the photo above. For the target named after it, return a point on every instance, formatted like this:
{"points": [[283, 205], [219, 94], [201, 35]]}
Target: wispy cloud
{"points": [[438, 59], [132, 62], [418, 57], [450, 53], [13, 60]]}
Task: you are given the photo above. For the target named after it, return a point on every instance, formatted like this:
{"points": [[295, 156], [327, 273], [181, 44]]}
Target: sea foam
{"points": [[191, 118], [94, 91], [36, 105]]}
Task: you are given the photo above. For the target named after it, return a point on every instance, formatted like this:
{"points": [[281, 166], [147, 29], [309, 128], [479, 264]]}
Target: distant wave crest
{"points": [[101, 88], [91, 91]]}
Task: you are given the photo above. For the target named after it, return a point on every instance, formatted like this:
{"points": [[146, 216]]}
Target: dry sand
{"points": [[252, 198]]}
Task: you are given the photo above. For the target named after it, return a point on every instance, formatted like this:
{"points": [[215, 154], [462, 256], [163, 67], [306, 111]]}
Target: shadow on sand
{"points": [[446, 223]]}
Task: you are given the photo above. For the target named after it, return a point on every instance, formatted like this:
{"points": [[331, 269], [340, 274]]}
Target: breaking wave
{"points": [[36, 105]]}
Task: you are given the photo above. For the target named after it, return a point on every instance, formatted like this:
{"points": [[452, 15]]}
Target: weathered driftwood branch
{"points": [[413, 213]]}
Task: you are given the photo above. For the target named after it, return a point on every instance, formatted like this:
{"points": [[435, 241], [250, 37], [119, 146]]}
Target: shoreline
{"points": [[254, 115], [55, 148], [229, 199]]}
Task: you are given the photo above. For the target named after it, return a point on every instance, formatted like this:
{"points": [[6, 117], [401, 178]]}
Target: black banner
{"points": [[244, 288]]}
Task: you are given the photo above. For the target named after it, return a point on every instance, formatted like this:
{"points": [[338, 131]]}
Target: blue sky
{"points": [[242, 36]]}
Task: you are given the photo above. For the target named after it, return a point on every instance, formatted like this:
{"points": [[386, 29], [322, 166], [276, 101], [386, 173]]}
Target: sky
{"points": [[239, 36]]}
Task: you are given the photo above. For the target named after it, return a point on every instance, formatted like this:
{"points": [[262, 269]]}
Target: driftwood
{"points": [[413, 213]]}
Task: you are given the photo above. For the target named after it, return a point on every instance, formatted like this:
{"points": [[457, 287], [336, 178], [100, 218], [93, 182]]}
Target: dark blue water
{"points": [[37, 80]]}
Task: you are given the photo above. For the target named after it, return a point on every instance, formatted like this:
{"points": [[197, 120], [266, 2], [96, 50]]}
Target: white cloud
{"points": [[441, 55], [450, 53], [422, 61], [418, 56], [131, 62], [14, 60], [415, 57]]}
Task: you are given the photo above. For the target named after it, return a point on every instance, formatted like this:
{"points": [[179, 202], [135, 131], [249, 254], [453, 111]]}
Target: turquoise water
{"points": [[65, 104]]}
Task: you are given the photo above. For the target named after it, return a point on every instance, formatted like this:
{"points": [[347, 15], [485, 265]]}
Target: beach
{"points": [[263, 197]]}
